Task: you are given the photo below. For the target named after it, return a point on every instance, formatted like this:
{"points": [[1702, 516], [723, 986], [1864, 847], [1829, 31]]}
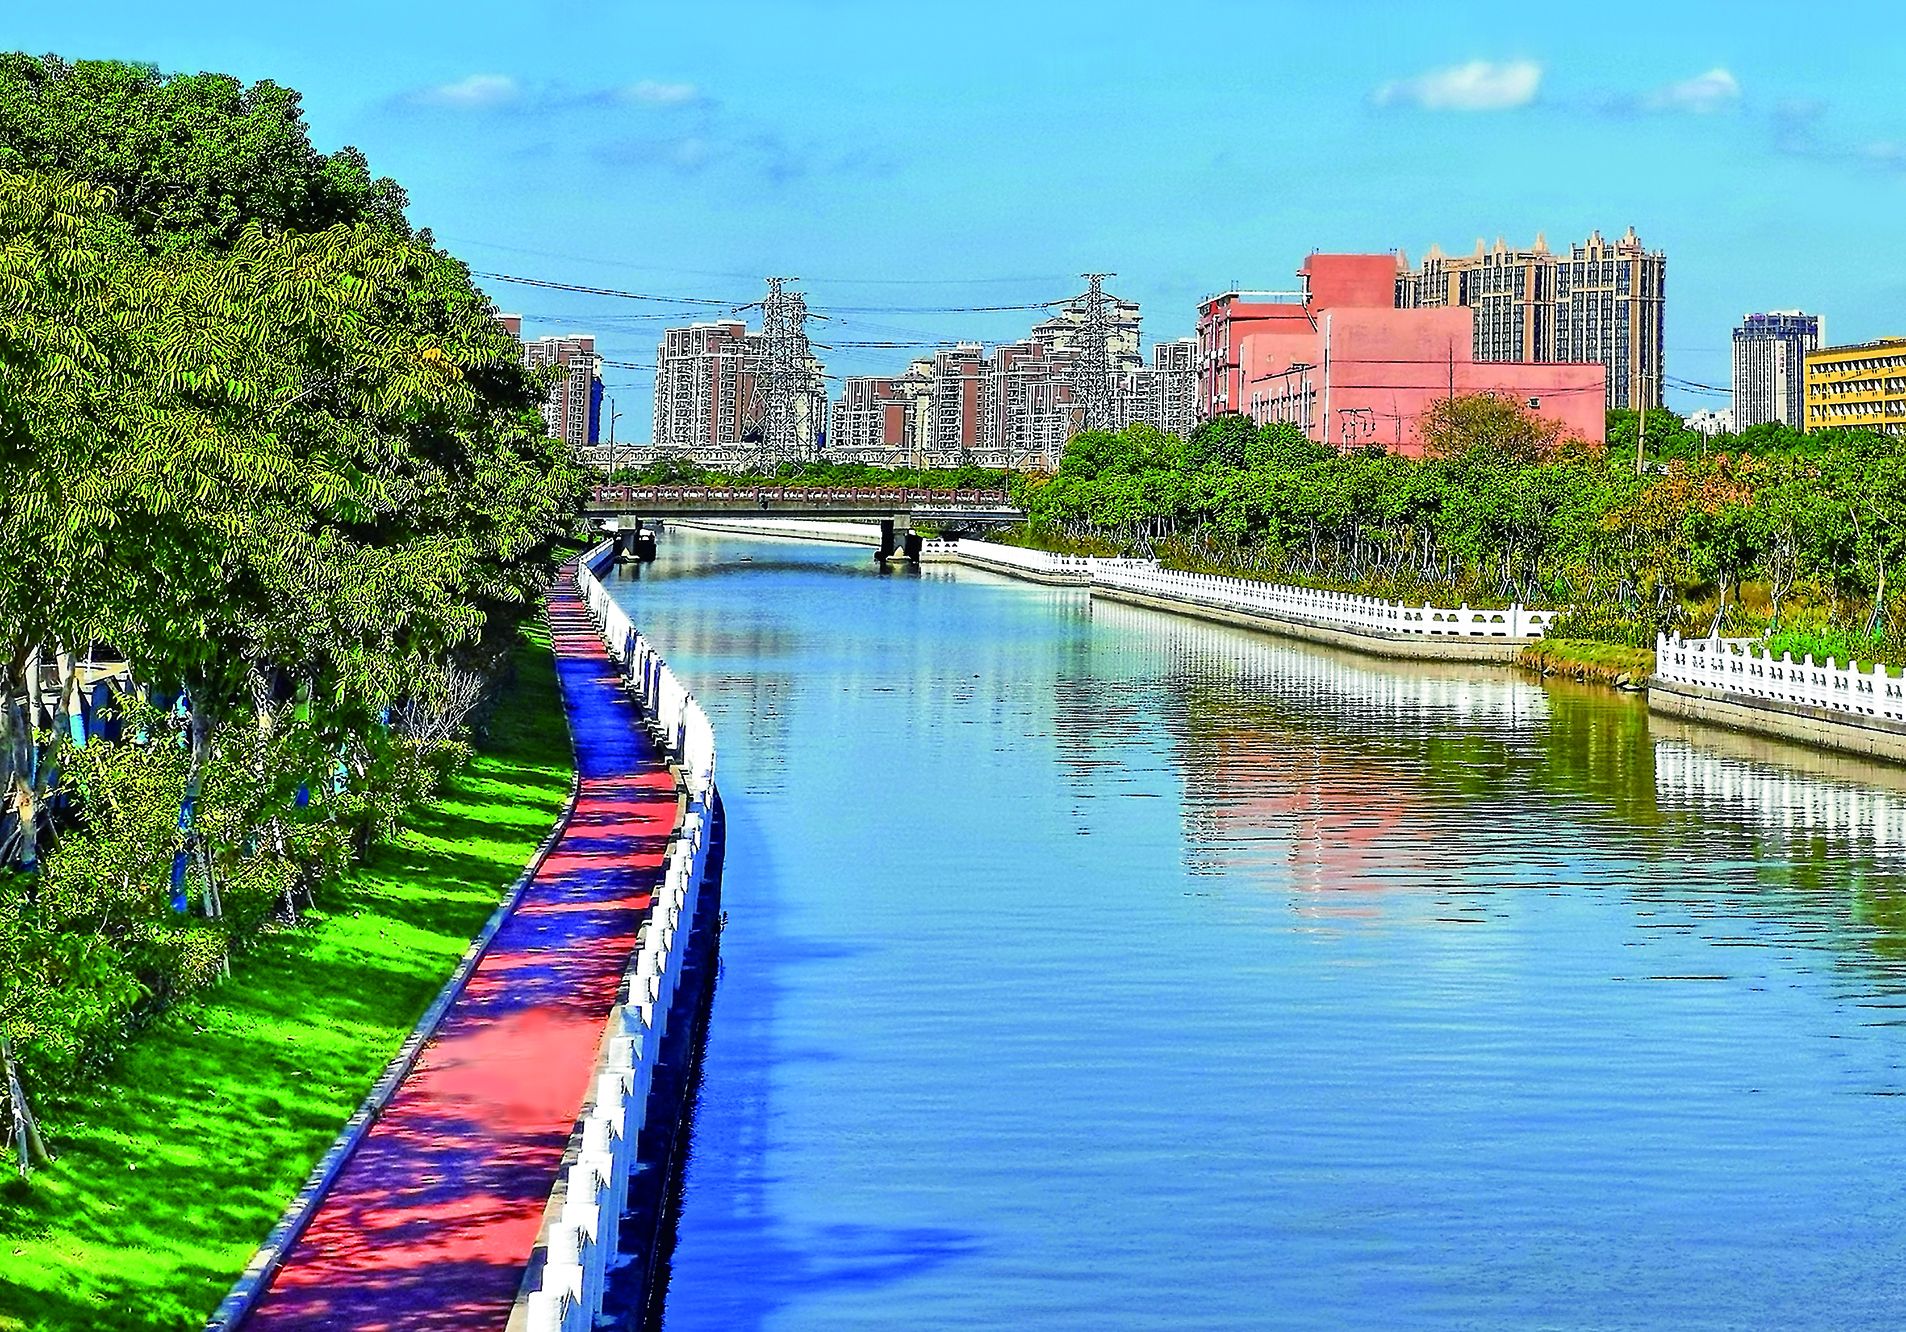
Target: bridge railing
{"points": [[582, 1242], [898, 495], [1744, 666]]}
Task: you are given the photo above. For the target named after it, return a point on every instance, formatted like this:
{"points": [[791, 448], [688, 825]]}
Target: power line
{"points": [[602, 291], [938, 309], [750, 277]]}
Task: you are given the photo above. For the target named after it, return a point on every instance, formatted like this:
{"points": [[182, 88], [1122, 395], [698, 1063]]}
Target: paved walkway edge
{"points": [[259, 1272]]}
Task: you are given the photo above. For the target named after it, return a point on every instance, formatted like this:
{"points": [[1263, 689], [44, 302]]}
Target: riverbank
{"points": [[1603, 663], [180, 1161], [1370, 625]]}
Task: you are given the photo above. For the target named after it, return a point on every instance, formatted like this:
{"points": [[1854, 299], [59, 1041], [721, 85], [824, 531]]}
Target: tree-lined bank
{"points": [[1802, 542], [269, 448]]}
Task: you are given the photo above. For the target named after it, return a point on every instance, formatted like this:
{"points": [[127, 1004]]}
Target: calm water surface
{"points": [[1088, 967]]}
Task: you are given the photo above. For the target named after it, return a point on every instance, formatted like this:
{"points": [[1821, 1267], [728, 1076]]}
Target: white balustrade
{"points": [[582, 1240], [1745, 666], [1271, 600]]}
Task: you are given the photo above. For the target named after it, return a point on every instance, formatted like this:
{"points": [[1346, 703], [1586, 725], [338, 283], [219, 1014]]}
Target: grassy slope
{"points": [[175, 1167], [1606, 662]]}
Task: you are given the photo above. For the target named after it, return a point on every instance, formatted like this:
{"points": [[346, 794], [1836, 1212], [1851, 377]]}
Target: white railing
{"points": [[1066, 568], [1744, 666], [1252, 597], [1337, 609], [582, 1240], [684, 726]]}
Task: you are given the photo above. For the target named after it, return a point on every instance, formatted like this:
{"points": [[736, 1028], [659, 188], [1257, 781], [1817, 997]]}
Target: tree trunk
{"points": [[29, 1146], [1879, 597]]}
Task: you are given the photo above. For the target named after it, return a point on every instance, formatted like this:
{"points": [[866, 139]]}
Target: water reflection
{"points": [[1090, 967]]}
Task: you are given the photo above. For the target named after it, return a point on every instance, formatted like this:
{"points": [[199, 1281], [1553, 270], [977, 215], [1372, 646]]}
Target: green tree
{"points": [[189, 160]]}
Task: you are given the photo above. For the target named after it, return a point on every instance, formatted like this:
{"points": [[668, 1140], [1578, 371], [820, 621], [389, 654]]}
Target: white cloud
{"points": [[661, 94], [1481, 85], [1715, 90], [478, 91]]}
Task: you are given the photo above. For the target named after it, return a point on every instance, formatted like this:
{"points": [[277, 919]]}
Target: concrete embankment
{"points": [[1372, 643], [1806, 724], [1360, 624], [793, 529], [1737, 683]]}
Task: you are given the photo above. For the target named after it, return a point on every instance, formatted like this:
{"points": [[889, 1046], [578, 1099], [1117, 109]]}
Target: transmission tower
{"points": [[785, 380], [1092, 372]]}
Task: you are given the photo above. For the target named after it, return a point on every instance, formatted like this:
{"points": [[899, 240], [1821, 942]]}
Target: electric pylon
{"points": [[785, 382], [1092, 373]]}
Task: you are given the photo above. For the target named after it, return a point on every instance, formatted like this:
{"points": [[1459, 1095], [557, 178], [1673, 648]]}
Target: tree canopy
{"points": [[189, 159]]}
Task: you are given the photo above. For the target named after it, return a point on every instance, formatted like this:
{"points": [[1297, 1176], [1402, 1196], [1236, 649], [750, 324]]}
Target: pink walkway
{"points": [[434, 1215]]}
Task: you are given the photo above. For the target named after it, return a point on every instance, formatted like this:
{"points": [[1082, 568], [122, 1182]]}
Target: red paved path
{"points": [[434, 1215]]}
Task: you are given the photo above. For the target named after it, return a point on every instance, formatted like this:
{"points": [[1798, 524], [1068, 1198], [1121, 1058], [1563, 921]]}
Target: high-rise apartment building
{"points": [[711, 384], [1602, 301], [1770, 367], [884, 420], [573, 409], [1174, 386], [1858, 387], [1015, 405], [1062, 332], [957, 371], [705, 386]]}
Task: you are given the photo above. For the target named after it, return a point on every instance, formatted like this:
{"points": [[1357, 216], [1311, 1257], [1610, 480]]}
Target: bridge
{"points": [[898, 510]]}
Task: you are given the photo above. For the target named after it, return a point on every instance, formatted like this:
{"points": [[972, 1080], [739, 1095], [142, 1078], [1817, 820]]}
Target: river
{"points": [[1088, 967]]}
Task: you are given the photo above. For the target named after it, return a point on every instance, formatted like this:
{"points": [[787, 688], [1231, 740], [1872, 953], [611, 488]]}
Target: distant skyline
{"points": [[903, 161]]}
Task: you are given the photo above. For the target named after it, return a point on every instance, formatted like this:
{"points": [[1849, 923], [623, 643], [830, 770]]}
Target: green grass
{"points": [[1587, 660], [176, 1164]]}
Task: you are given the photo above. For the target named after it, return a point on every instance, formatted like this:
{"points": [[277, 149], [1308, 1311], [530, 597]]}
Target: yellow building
{"points": [[1860, 387]]}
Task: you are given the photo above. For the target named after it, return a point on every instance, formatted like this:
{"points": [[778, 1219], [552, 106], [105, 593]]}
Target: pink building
{"points": [[1341, 362]]}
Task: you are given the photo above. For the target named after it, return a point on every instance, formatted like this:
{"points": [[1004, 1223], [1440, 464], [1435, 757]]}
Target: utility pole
{"points": [[1092, 372], [613, 414], [1641, 422]]}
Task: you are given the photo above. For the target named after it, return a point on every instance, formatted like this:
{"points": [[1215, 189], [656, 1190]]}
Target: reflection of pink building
{"points": [[1351, 369]]}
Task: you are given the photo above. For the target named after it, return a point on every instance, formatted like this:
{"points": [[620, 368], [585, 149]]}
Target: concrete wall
{"points": [[795, 529], [1396, 647], [1872, 737]]}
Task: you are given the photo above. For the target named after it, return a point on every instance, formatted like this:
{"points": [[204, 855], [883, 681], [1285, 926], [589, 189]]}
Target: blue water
{"points": [[1088, 967]]}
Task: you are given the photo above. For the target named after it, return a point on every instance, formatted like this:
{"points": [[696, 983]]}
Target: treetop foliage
{"points": [[1506, 505], [189, 159]]}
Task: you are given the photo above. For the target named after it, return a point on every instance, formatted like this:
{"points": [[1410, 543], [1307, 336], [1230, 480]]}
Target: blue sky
{"points": [[904, 159]]}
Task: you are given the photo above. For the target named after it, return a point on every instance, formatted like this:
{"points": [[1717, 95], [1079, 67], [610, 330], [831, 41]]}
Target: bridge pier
{"points": [[634, 543], [898, 539]]}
